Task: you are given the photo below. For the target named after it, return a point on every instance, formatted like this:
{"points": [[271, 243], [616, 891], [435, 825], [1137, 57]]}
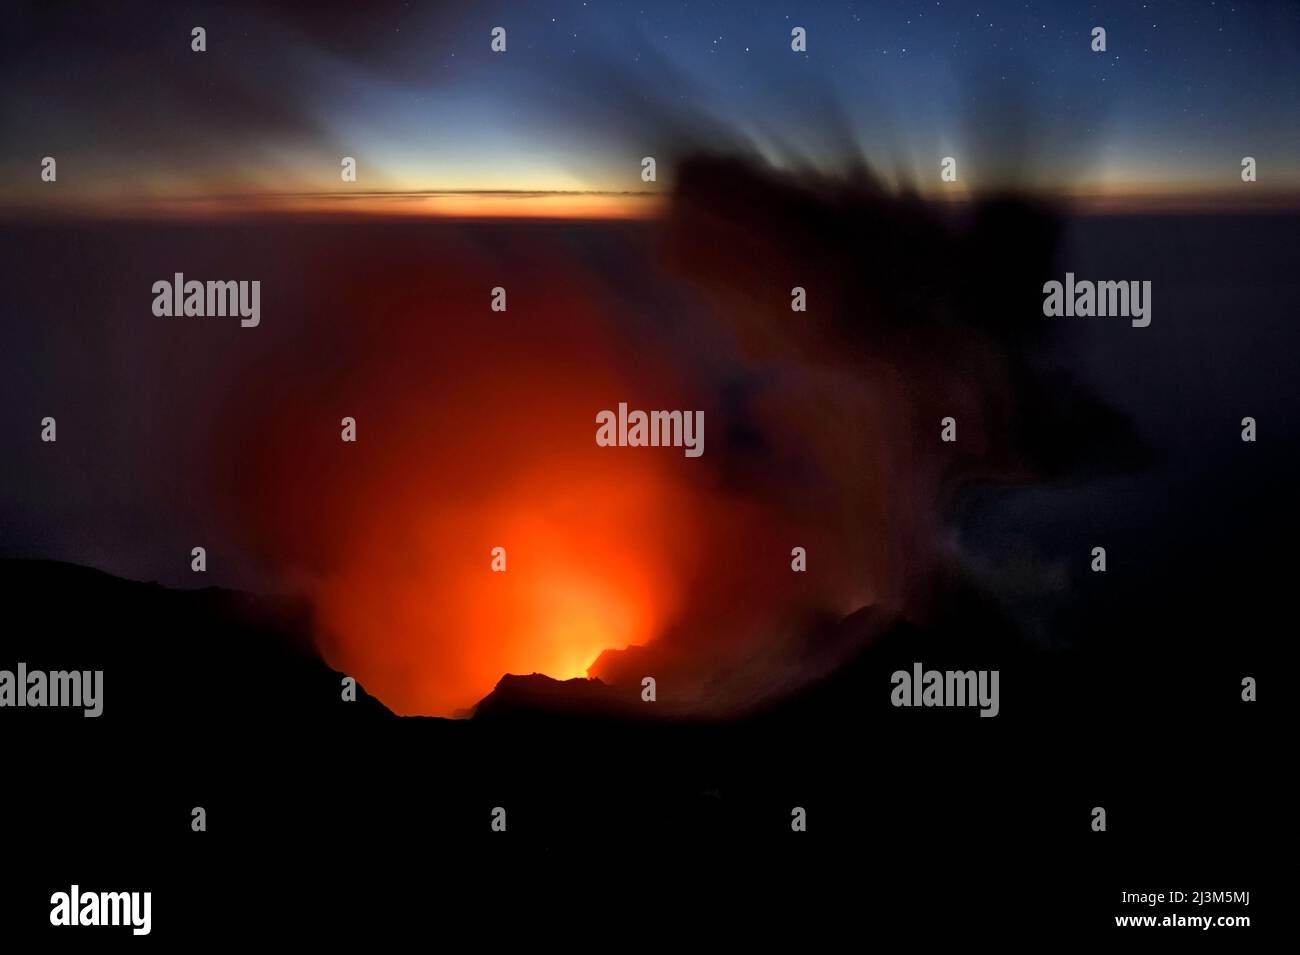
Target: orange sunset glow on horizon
{"points": [[468, 204], [1125, 196]]}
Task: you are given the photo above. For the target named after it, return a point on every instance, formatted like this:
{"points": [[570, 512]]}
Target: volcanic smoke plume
{"points": [[476, 430]]}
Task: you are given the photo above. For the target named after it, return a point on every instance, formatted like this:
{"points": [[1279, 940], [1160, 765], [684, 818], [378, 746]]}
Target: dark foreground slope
{"points": [[216, 699]]}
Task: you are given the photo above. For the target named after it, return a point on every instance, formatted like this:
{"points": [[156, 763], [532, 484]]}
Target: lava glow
{"points": [[434, 627], [476, 431]]}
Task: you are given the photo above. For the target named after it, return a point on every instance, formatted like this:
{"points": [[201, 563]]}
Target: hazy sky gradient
{"points": [[585, 89]]}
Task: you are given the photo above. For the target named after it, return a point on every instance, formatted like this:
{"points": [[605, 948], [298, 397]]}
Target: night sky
{"points": [[585, 89]]}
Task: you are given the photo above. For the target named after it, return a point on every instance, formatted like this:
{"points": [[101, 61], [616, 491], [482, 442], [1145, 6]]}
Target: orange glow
{"points": [[431, 624], [476, 431], [504, 204], [580, 614]]}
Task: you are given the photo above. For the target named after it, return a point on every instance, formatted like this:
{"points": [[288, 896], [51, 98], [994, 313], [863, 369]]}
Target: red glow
{"points": [[475, 430], [430, 624]]}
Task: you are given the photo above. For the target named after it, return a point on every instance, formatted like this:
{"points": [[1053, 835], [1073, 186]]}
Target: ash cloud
{"points": [[477, 429]]}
